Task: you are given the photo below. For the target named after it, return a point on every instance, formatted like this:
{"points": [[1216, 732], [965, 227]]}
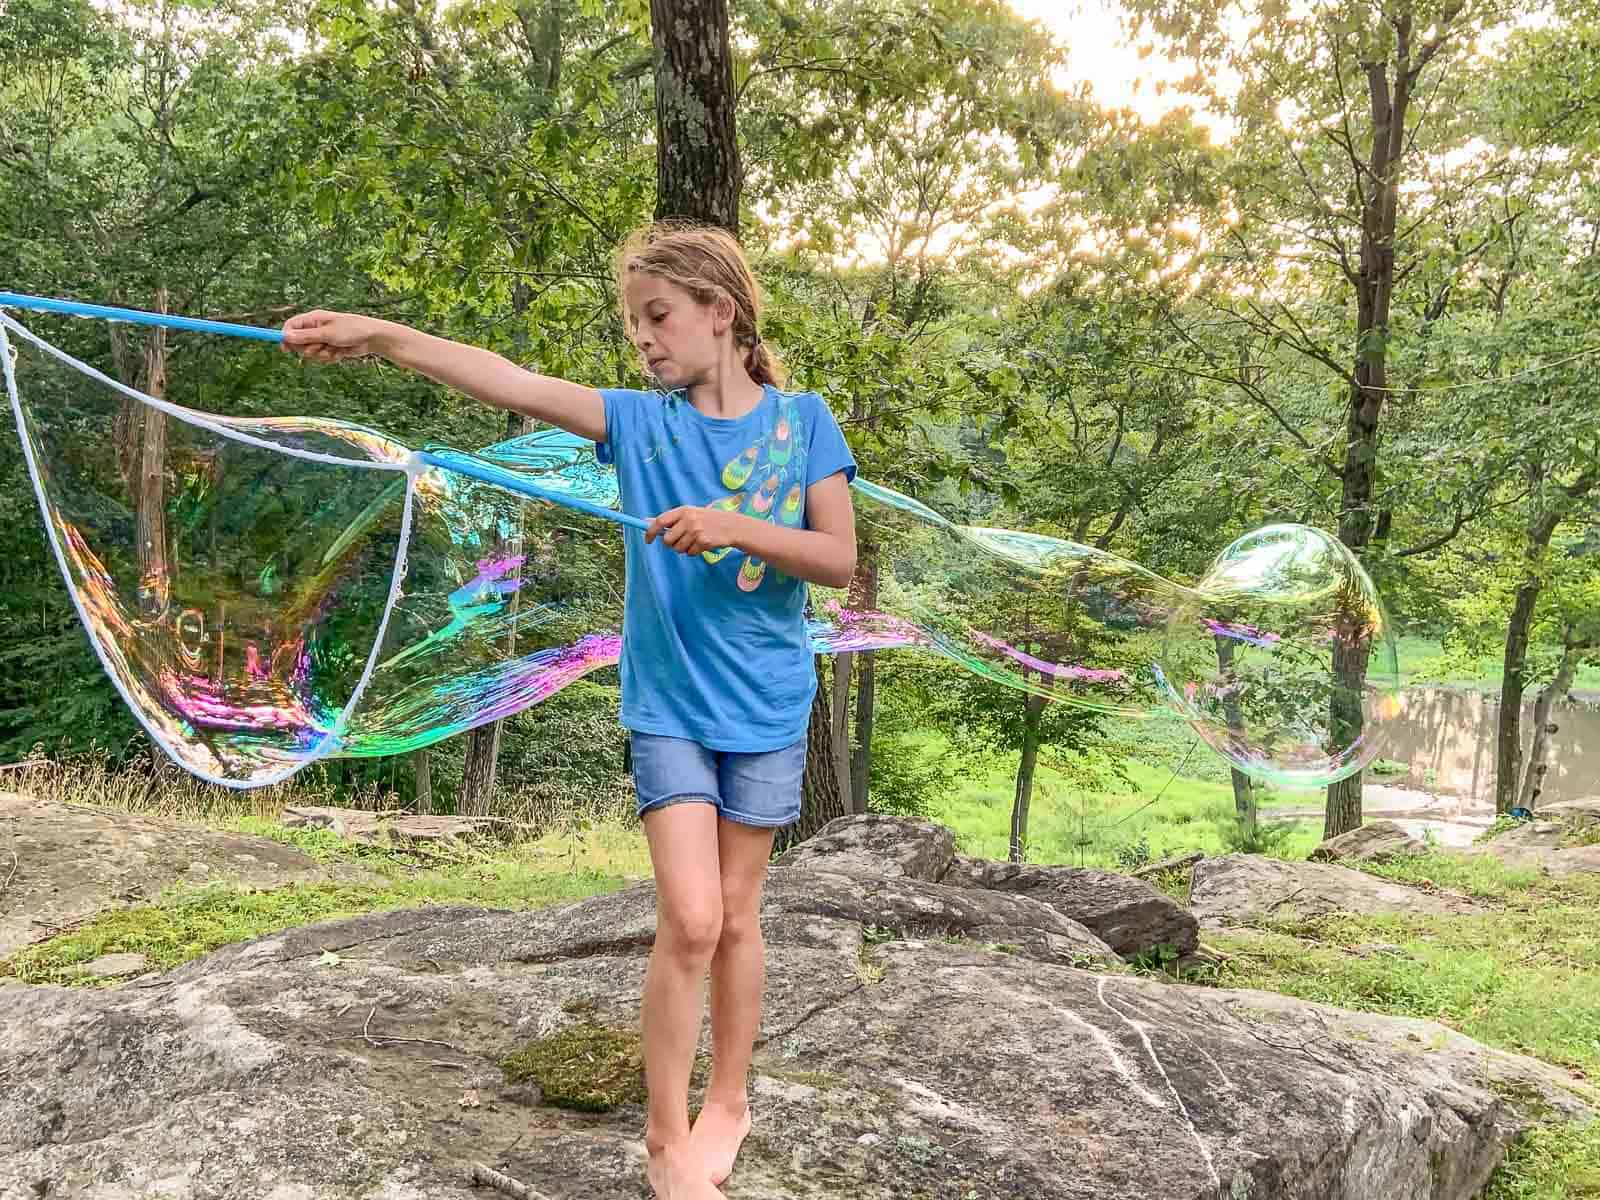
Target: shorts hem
{"points": [[759, 822], [673, 798]]}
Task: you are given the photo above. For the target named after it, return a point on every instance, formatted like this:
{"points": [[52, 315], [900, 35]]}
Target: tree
{"points": [[697, 147], [1363, 203]]}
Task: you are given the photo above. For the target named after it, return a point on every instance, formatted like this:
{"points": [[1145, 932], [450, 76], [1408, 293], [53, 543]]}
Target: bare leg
{"points": [[683, 850], [738, 978]]}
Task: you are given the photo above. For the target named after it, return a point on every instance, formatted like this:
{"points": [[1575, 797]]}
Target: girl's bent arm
{"points": [[823, 553], [481, 374]]}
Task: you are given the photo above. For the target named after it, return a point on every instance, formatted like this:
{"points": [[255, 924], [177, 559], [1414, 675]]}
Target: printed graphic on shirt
{"points": [[765, 480]]}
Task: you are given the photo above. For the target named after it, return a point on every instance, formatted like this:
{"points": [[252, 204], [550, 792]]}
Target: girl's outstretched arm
{"points": [[333, 337], [822, 553]]}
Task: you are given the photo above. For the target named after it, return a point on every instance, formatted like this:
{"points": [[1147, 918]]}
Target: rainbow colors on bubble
{"points": [[266, 593]]}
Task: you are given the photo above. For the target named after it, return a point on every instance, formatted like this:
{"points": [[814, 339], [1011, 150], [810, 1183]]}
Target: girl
{"points": [[748, 490]]}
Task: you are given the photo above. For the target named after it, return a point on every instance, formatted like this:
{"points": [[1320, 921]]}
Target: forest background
{"points": [[1350, 284]]}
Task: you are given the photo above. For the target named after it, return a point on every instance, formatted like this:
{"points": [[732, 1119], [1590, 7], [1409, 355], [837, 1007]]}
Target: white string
{"points": [[411, 467], [203, 420]]}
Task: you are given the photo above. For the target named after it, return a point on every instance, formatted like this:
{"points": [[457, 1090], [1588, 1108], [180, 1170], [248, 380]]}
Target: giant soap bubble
{"points": [[268, 592]]}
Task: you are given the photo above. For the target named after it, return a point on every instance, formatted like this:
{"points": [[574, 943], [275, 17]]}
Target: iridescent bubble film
{"points": [[267, 592]]}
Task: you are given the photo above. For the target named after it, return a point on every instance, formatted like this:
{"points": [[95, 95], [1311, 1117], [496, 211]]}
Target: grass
{"points": [[1424, 660], [186, 921], [1523, 976], [1118, 824]]}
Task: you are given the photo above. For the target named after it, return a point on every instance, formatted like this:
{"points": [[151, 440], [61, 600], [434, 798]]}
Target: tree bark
{"points": [[698, 174], [864, 596], [423, 767], [1389, 102], [1244, 799], [1539, 751], [1033, 710], [839, 726], [822, 799], [481, 769], [155, 580]]}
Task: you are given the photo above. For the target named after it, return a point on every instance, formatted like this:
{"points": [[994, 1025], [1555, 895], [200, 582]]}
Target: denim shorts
{"points": [[761, 789]]}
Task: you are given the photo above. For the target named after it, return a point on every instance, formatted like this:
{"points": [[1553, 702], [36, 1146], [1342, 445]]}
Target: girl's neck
{"points": [[727, 394]]}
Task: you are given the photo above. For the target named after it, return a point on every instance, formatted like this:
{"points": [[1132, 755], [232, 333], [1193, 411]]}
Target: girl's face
{"points": [[674, 333]]}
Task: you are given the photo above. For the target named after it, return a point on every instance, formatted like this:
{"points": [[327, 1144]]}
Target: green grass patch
{"points": [[1155, 815], [1527, 981], [1423, 660], [1551, 1162], [186, 921], [1523, 976]]}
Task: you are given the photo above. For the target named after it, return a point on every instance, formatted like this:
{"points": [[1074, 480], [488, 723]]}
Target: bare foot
{"points": [[719, 1131], [678, 1173]]}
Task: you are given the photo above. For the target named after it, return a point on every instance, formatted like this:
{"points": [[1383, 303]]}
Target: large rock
{"points": [[1241, 888], [1547, 843], [877, 844], [1575, 814], [73, 862], [359, 1060], [1129, 915], [1375, 841], [359, 825]]}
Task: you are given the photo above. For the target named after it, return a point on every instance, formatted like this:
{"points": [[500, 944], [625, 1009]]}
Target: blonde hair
{"points": [[706, 261]]}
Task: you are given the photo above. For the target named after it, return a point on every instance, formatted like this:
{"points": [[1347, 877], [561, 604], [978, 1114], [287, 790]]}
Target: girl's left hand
{"points": [[693, 530]]}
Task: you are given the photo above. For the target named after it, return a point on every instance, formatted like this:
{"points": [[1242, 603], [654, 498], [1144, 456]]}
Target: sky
{"points": [[1100, 54]]}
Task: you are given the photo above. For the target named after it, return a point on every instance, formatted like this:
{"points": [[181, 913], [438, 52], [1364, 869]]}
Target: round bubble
{"points": [[1283, 659]]}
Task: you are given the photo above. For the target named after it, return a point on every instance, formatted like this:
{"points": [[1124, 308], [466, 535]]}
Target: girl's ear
{"points": [[722, 310]]}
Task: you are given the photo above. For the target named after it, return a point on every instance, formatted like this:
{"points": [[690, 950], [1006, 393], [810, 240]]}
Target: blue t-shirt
{"points": [[714, 646]]}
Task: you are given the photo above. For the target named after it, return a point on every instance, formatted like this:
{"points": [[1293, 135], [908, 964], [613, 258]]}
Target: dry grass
{"points": [[158, 788]]}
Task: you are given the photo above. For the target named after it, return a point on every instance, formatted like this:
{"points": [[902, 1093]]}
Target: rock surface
{"points": [[1239, 888], [1129, 915], [1548, 845], [1372, 842], [360, 825], [73, 861], [358, 1060], [877, 844]]}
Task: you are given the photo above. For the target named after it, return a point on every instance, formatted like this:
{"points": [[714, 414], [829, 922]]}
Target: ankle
{"points": [[731, 1100], [657, 1144]]}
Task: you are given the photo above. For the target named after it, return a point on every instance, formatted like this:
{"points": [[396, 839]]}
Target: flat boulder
{"points": [[358, 825], [1548, 846], [877, 844], [1238, 889], [1129, 915], [367, 1059], [1375, 841], [73, 862]]}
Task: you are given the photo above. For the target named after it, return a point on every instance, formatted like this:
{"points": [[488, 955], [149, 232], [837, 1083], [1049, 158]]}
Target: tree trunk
{"points": [[155, 580], [1374, 287], [697, 151], [1033, 710], [1539, 752], [839, 727], [864, 596], [1508, 747], [1244, 799], [821, 798], [423, 767], [481, 768]]}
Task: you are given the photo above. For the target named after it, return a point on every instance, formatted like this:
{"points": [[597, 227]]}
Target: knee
{"points": [[690, 931], [740, 927]]}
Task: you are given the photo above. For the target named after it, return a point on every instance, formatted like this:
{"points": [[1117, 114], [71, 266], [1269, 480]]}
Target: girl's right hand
{"points": [[331, 337]]}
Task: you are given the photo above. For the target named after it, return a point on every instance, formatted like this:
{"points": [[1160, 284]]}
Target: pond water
{"points": [[1446, 736]]}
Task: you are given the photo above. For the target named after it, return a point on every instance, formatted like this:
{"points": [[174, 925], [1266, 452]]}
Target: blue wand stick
{"points": [[486, 472]]}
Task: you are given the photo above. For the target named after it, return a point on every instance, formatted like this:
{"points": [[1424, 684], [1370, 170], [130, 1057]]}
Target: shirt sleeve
{"points": [[827, 453], [622, 421]]}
